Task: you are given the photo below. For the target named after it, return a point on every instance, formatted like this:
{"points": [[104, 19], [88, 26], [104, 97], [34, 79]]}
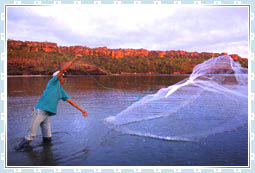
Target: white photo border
{"points": [[124, 169]]}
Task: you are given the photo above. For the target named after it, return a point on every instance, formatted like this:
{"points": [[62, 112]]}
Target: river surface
{"points": [[92, 142]]}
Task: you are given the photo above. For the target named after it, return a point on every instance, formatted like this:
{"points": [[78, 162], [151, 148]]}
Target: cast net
{"points": [[213, 99]]}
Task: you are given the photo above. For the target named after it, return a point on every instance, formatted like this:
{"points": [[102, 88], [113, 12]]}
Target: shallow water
{"points": [[91, 141]]}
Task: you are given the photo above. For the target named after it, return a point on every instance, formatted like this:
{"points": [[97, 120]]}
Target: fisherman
{"points": [[47, 107]]}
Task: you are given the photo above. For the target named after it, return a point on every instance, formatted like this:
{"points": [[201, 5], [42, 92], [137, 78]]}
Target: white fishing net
{"points": [[213, 99]]}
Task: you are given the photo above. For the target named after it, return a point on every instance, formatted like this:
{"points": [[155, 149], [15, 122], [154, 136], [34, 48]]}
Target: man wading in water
{"points": [[47, 106]]}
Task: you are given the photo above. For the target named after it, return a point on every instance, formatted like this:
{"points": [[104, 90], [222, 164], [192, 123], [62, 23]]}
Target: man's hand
{"points": [[77, 57], [84, 113]]}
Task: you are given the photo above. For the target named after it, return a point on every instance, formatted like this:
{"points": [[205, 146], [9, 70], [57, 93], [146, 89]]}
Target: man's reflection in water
{"points": [[44, 156]]}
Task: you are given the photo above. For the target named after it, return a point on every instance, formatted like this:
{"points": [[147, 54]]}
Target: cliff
{"points": [[44, 58]]}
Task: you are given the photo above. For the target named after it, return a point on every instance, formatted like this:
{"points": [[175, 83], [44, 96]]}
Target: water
{"points": [[90, 141]]}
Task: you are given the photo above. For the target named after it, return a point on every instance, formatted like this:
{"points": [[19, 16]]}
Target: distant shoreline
{"points": [[12, 76], [44, 58]]}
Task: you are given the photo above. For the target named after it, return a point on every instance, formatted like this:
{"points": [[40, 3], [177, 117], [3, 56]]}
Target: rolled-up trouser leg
{"points": [[38, 116], [46, 129], [36, 119]]}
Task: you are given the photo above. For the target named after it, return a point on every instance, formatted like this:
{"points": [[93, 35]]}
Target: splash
{"points": [[213, 99]]}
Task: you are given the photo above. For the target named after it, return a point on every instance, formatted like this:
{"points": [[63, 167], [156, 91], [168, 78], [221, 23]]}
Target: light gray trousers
{"points": [[39, 118]]}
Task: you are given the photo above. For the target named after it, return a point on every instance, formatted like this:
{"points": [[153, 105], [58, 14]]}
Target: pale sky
{"points": [[153, 27]]}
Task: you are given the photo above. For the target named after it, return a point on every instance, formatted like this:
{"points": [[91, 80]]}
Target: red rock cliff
{"points": [[104, 51]]}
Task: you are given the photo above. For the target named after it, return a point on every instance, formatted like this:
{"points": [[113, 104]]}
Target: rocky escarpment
{"points": [[44, 58]]}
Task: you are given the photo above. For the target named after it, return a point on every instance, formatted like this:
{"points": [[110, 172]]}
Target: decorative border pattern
{"points": [[3, 89]]}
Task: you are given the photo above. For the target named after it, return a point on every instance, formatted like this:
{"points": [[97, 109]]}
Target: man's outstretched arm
{"points": [[84, 113], [68, 65]]}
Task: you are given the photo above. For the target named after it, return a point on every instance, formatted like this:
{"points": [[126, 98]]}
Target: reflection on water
{"points": [[89, 141], [33, 86], [45, 155]]}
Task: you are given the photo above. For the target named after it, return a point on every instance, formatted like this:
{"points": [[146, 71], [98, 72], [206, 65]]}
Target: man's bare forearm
{"points": [[68, 65], [74, 104], [84, 113], [65, 68]]}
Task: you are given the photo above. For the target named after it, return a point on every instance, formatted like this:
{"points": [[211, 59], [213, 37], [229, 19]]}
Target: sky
{"points": [[154, 27]]}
